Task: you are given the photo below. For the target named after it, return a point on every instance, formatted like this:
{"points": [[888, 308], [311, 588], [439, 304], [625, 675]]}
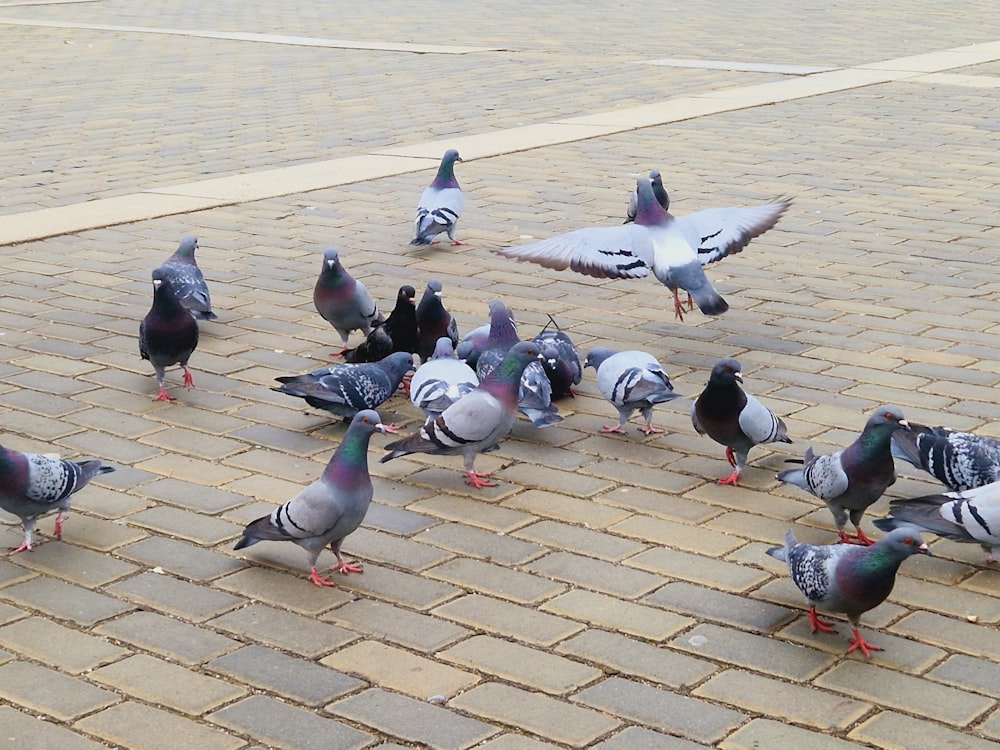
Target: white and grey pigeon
{"points": [[345, 390], [33, 485], [630, 381], [659, 193], [535, 394], [560, 359], [477, 421], [440, 205], [674, 249], [969, 516], [343, 301], [847, 578], [188, 282], [328, 510], [734, 418], [441, 381], [854, 478], [959, 460]]}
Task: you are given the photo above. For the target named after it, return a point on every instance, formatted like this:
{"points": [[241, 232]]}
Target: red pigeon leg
{"points": [[60, 518], [859, 644], [345, 567], [613, 428], [163, 395], [732, 480], [815, 623], [478, 480], [319, 580], [188, 380], [678, 307]]}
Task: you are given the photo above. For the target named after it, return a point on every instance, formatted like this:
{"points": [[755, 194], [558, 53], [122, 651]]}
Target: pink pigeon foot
{"points": [[163, 395], [860, 538], [650, 430], [60, 518], [319, 580], [346, 567], [815, 623], [478, 480], [188, 380], [859, 644], [732, 480], [613, 428]]}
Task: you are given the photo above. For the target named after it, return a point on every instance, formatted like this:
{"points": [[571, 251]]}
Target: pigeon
{"points": [[959, 460], [342, 300], [472, 345], [32, 486], [397, 334], [329, 509], [168, 335], [345, 390], [734, 418], [631, 381], [560, 360], [674, 249], [850, 480], [441, 381], [847, 578], [433, 321], [440, 205], [477, 421], [535, 392], [188, 281], [659, 193], [972, 515]]}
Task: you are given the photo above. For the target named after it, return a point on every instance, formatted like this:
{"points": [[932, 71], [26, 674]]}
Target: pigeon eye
{"points": [[908, 540]]}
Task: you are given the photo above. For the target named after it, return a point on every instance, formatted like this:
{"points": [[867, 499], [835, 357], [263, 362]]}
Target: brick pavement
{"points": [[608, 593]]}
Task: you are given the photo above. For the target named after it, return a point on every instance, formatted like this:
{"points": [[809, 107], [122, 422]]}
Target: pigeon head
{"points": [[890, 417], [407, 293], [648, 211], [656, 181], [331, 259], [726, 372], [185, 251], [902, 542], [446, 172], [368, 421], [596, 357], [503, 327], [443, 349], [433, 289], [398, 364], [161, 281]]}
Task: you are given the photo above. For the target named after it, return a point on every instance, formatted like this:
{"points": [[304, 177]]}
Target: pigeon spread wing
{"points": [[718, 232], [622, 252]]}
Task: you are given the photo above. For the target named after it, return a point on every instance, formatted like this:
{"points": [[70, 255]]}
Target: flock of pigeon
{"points": [[472, 388]]}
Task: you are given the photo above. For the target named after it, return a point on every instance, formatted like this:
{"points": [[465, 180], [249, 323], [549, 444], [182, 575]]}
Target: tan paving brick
{"points": [[507, 619], [148, 728], [400, 670], [33, 734], [616, 614], [49, 642], [779, 735], [169, 638], [893, 730], [497, 580], [52, 693], [381, 620]]}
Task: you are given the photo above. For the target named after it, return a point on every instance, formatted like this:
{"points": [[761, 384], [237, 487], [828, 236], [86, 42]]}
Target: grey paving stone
{"points": [[587, 572], [616, 614], [75, 564], [497, 580], [283, 590], [51, 643], [494, 547], [188, 525], [760, 733], [729, 609], [135, 725], [29, 733], [64, 600], [508, 619], [640, 737], [297, 679], [288, 727], [49, 692], [886, 729], [174, 596], [968, 673], [691, 718], [412, 720], [287, 631], [181, 558], [384, 621], [173, 639]]}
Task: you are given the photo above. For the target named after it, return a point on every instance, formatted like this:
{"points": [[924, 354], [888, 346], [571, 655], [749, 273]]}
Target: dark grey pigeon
{"points": [[345, 390], [342, 300], [631, 381], [433, 321], [969, 516], [472, 345], [397, 334], [854, 478], [187, 280], [440, 205], [659, 193], [328, 510], [733, 418], [441, 381], [674, 249], [32, 486], [477, 421], [168, 335], [847, 578], [560, 360], [959, 460]]}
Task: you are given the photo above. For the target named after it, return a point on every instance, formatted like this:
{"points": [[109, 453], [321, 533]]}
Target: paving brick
{"points": [[399, 670], [636, 737], [287, 631], [64, 600], [416, 591], [194, 527], [77, 565], [180, 558], [677, 535], [495, 547], [508, 619], [895, 731], [761, 733], [156, 681], [580, 540], [384, 621], [172, 639], [396, 551], [60, 646], [949, 600], [30, 733], [194, 497], [596, 574], [142, 727], [472, 512], [564, 508], [687, 717], [631, 657], [728, 609], [514, 742], [282, 590], [555, 720], [669, 563], [412, 720], [497, 580], [908, 693], [946, 632], [52, 693], [174, 596], [967, 673], [293, 678], [397, 520], [616, 614]]}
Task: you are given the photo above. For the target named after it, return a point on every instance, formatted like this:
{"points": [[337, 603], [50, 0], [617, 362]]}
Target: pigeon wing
{"points": [[718, 232], [622, 252]]}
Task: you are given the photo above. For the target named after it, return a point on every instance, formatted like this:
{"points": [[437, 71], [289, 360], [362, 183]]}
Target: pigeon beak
{"points": [[384, 430], [738, 376], [330, 264], [437, 294], [904, 424], [156, 283], [922, 549]]}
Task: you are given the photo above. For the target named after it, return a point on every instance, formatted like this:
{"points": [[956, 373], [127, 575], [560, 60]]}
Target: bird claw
{"points": [[731, 456], [188, 381], [319, 580], [859, 644], [478, 480], [816, 624], [392, 429], [650, 430], [732, 480], [345, 568], [164, 396], [25, 546], [860, 538], [613, 428]]}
